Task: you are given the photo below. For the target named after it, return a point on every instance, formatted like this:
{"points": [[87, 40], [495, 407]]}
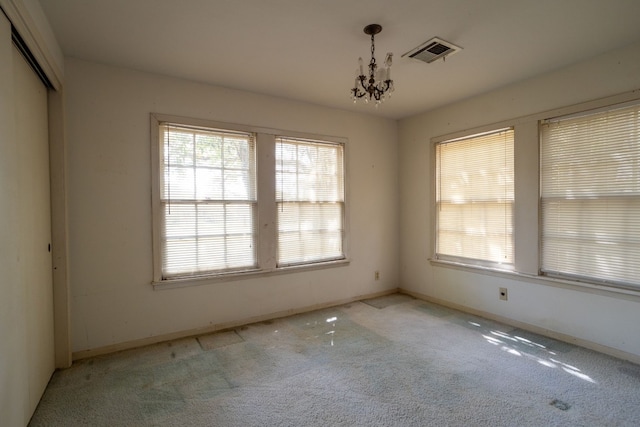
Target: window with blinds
{"points": [[310, 201], [474, 198], [590, 196], [208, 201]]}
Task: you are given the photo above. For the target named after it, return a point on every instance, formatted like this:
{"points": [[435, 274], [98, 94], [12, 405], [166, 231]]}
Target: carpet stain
{"points": [[387, 300], [219, 339], [632, 371], [434, 310], [563, 406]]}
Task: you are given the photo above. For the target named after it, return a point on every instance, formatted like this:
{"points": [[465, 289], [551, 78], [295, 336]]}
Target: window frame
{"points": [[267, 236], [281, 140], [453, 259]]}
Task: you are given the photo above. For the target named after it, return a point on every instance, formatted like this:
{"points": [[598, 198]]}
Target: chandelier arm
{"points": [[361, 91], [377, 94], [363, 86]]}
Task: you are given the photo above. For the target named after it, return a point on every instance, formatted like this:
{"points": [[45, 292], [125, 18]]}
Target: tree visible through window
{"points": [[208, 201]]}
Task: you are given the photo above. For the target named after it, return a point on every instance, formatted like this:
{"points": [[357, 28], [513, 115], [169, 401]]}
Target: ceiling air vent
{"points": [[432, 50]]}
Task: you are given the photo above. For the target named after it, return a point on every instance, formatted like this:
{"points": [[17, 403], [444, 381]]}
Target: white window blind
{"points": [[590, 196], [208, 201], [310, 201], [474, 198]]}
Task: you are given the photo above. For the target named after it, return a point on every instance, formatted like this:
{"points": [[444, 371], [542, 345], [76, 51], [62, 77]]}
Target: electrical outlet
{"points": [[503, 294], [377, 275]]}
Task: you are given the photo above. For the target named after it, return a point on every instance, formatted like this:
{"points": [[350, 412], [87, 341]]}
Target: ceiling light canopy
{"points": [[378, 84]]}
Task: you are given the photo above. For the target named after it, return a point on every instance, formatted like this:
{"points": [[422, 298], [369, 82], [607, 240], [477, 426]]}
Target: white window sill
{"points": [[242, 275], [584, 286]]}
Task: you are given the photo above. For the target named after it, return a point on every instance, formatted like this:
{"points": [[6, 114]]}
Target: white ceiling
{"points": [[307, 50]]}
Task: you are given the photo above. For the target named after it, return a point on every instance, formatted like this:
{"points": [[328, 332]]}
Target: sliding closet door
{"points": [[13, 368], [35, 222], [26, 295]]}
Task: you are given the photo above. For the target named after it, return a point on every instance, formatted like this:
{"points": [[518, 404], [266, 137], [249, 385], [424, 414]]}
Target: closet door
{"points": [[35, 222], [26, 294], [13, 368]]}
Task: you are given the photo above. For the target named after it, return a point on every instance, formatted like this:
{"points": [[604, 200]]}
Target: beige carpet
{"points": [[390, 361]]}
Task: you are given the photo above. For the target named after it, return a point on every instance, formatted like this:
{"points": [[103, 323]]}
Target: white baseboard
{"points": [[230, 325], [83, 354], [620, 354]]}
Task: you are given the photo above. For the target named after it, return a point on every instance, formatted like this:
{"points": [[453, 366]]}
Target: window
{"points": [[208, 200], [590, 196], [310, 200], [474, 198], [214, 183]]}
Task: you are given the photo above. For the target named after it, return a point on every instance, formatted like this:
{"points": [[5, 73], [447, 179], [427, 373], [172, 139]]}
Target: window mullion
{"points": [[267, 205]]}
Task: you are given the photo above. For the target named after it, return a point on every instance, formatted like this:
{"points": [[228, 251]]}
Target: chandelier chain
{"points": [[372, 63], [373, 47]]}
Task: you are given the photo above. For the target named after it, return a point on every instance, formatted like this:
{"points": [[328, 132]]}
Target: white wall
{"points": [[600, 317], [110, 247]]}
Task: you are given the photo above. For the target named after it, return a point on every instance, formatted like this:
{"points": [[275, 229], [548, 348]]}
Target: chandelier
{"points": [[378, 84]]}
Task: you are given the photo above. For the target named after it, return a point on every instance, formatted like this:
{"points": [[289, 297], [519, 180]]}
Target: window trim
{"points": [[267, 215], [174, 202]]}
